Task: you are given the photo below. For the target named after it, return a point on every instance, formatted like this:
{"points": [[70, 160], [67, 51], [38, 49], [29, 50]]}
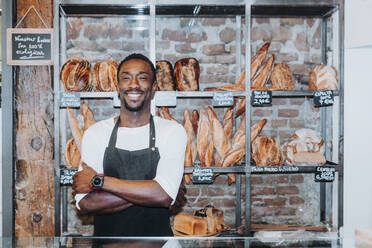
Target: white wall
{"points": [[358, 117]]}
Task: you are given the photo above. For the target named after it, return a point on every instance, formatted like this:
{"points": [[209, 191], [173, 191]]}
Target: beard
{"points": [[134, 109]]}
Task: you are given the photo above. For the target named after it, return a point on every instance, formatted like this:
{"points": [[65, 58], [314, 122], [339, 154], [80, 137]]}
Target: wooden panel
{"points": [[34, 187]]}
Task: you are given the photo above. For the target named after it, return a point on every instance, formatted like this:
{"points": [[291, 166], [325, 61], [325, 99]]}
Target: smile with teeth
{"points": [[134, 95]]}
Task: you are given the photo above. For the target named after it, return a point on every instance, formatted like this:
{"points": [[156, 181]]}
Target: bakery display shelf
{"points": [[230, 169], [110, 94], [294, 93], [290, 169], [196, 94], [288, 227]]}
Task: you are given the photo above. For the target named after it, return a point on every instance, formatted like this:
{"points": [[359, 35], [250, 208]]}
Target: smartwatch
{"points": [[97, 182]]}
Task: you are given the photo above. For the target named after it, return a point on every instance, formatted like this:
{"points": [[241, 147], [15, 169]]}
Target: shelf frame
{"points": [[235, 8]]}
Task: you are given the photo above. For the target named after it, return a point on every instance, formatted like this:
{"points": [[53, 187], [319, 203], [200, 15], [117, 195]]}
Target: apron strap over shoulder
{"points": [[152, 134]]}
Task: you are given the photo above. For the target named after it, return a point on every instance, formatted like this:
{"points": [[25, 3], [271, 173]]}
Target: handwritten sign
{"points": [[223, 99], [66, 176], [29, 46], [261, 97], [202, 175], [69, 99], [166, 98], [325, 174], [323, 98], [274, 169]]}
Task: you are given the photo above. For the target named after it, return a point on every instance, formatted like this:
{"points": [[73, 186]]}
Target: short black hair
{"points": [[141, 57]]}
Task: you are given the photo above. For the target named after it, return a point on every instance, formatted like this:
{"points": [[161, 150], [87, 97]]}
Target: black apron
{"points": [[133, 165]]}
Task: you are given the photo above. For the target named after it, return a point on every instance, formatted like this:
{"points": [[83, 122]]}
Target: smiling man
{"points": [[132, 164]]}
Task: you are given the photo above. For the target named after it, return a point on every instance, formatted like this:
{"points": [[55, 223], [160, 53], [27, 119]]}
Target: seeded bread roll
{"points": [[187, 73], [323, 77], [165, 75], [75, 75], [281, 77]]}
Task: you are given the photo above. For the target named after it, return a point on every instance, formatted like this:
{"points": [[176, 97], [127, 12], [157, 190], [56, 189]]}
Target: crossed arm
{"points": [[117, 194]]}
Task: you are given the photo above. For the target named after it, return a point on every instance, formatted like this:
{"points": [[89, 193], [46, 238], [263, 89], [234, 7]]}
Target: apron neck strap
{"points": [[114, 133]]}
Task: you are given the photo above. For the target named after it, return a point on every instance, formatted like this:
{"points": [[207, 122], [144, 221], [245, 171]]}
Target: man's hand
{"points": [[82, 179]]}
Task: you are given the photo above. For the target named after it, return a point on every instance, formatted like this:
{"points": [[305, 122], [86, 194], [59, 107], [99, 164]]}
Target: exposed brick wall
{"points": [[275, 198]]}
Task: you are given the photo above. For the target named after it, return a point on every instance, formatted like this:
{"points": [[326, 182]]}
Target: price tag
{"points": [[223, 99], [261, 97], [165, 98], [325, 174], [66, 176], [202, 175], [323, 98], [69, 99]]}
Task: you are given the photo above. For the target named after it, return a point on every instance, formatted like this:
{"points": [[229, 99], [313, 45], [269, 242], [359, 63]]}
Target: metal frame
{"points": [[8, 151], [253, 8]]}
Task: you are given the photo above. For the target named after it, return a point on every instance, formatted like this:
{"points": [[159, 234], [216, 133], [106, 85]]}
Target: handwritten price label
{"points": [[202, 175], [261, 97], [223, 99], [325, 174], [66, 176], [323, 98]]}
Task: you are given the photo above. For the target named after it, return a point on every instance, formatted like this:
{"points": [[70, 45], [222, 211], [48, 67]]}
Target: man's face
{"points": [[135, 84]]}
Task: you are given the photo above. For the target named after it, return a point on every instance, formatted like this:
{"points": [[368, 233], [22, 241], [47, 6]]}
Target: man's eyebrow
{"points": [[129, 72]]}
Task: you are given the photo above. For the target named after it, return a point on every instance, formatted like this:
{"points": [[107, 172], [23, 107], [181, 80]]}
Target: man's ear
{"points": [[154, 88]]}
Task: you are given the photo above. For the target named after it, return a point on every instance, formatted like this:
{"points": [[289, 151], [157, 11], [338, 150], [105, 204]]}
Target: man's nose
{"points": [[133, 83]]}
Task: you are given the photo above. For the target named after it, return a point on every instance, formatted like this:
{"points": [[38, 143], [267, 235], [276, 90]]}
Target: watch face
{"points": [[97, 181]]}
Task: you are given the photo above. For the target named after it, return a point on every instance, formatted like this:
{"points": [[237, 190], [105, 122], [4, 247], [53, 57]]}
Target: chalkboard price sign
{"points": [[202, 175], [261, 97], [323, 98], [165, 98], [325, 174], [29, 46], [69, 99], [223, 99], [66, 176]]}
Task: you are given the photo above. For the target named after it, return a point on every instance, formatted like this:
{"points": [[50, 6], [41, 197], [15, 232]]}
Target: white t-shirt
{"points": [[171, 140]]}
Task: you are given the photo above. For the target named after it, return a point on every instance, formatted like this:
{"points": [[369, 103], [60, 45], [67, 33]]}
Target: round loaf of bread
{"points": [[75, 75], [323, 77], [104, 76], [266, 151], [281, 77], [187, 73]]}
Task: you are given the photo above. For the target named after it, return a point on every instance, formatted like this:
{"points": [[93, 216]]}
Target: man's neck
{"points": [[134, 119]]}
